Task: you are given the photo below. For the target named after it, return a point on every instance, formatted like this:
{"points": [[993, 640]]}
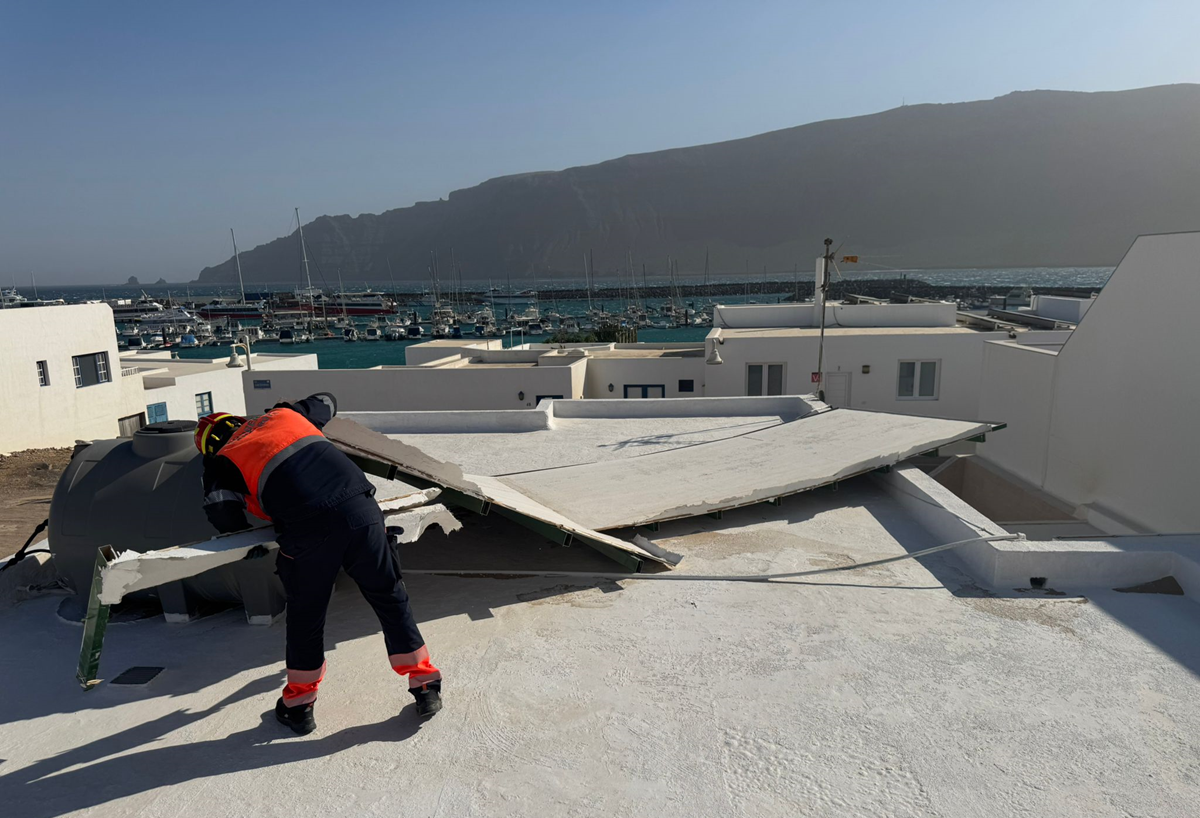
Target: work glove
{"points": [[257, 552]]}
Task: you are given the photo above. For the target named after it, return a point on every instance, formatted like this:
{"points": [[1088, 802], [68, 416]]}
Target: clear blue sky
{"points": [[134, 134]]}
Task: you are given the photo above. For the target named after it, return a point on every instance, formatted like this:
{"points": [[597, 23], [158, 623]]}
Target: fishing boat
{"points": [[372, 334], [414, 331], [188, 341], [349, 334]]}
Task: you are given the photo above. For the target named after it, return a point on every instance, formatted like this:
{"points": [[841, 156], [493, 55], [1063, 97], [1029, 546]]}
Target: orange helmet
{"points": [[213, 431]]}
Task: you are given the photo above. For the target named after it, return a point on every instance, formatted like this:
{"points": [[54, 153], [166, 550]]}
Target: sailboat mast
{"points": [[392, 278], [238, 261], [304, 253], [342, 296]]}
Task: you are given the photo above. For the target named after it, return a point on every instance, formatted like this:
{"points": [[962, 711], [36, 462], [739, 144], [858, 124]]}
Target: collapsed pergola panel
{"points": [[581, 502]]}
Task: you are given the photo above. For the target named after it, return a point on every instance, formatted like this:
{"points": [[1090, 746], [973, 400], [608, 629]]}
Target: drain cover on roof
{"points": [[137, 676]]}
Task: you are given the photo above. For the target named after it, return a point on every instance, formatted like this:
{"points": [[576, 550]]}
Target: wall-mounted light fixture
{"points": [[866, 369], [610, 387], [520, 396]]}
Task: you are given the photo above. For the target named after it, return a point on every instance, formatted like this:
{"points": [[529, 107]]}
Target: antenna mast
{"points": [[819, 304]]}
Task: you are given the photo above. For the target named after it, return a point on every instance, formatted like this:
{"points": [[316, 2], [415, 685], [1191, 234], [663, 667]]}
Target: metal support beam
{"points": [[95, 623], [650, 527], [716, 515]]}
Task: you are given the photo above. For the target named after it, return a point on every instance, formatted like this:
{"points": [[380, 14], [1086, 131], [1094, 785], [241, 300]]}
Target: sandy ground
{"points": [[901, 690], [27, 481]]}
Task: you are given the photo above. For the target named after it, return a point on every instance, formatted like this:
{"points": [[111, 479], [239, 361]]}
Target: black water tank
{"points": [[145, 493]]}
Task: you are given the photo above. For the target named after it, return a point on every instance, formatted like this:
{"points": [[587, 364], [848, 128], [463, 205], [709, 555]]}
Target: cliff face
{"points": [[1031, 178]]}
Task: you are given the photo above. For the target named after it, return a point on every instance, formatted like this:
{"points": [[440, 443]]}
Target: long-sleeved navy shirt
{"points": [[311, 480]]}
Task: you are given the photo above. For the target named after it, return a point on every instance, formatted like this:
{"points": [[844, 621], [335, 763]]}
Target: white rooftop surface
{"points": [[579, 440], [901, 690]]}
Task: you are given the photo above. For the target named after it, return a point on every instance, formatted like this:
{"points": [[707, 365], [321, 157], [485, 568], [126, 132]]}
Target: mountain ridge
{"points": [[1030, 178]]}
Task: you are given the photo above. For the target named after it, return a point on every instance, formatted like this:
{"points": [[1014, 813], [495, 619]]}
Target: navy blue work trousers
{"points": [[350, 535]]}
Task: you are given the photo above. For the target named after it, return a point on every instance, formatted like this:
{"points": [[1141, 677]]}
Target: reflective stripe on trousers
{"points": [[416, 666], [301, 687]]}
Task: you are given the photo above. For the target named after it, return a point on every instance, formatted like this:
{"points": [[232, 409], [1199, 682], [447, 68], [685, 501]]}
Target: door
{"points": [[645, 391], [126, 426], [156, 412], [837, 388]]}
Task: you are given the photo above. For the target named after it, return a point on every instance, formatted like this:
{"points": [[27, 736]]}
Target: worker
{"points": [[281, 468]]}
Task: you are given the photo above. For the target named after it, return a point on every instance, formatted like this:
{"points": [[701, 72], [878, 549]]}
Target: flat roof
{"points": [[901, 689], [455, 342], [691, 352], [795, 332], [1045, 349], [178, 367]]}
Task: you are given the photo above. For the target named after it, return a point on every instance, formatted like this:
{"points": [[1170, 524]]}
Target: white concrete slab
{"points": [[413, 462], [762, 464], [132, 571]]}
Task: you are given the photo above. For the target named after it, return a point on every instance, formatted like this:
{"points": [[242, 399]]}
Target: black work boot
{"points": [[429, 698], [300, 718]]}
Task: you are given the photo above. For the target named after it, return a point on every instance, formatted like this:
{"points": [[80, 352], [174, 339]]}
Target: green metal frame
{"points": [[95, 623]]}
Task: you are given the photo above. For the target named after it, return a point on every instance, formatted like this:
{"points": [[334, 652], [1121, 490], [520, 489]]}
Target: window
{"points": [[918, 380], [687, 386], [755, 381], [203, 404], [645, 391], [43, 374], [157, 412], [91, 369]]}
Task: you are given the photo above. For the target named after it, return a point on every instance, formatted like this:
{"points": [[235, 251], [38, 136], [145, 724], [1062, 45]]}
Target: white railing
{"points": [[126, 371]]}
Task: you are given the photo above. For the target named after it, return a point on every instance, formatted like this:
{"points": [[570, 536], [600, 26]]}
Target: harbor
{"points": [[279, 321]]}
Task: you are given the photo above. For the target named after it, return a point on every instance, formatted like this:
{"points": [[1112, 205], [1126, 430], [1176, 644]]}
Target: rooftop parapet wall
{"points": [[419, 388], [753, 316], [787, 407]]}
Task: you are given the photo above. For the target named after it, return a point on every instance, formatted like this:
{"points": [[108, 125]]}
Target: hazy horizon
{"points": [[135, 140]]}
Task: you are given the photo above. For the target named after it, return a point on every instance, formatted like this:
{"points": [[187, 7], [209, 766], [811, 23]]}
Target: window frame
{"points": [[766, 378], [916, 385], [43, 370], [200, 411], [99, 366], [691, 385], [644, 387]]}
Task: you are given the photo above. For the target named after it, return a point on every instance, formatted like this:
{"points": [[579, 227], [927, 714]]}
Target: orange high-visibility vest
{"points": [[262, 443]]}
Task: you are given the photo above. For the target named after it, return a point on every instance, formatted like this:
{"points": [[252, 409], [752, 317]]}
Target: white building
{"points": [[1103, 418], [187, 388], [62, 376], [61, 379]]}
